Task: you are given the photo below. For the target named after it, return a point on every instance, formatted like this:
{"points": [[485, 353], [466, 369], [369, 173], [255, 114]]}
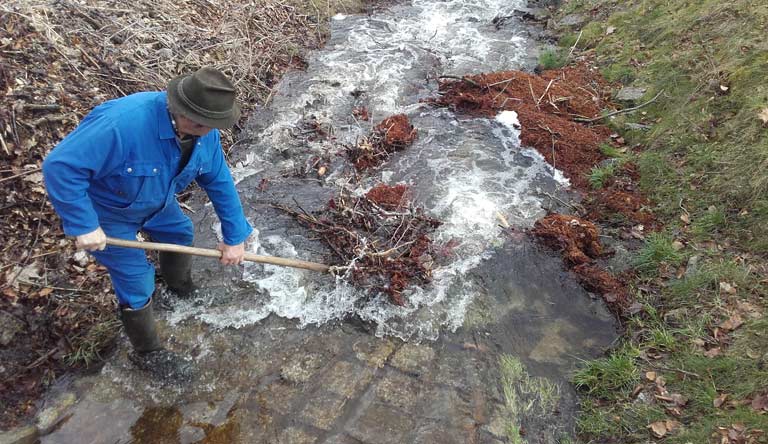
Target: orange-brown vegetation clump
{"points": [[383, 236], [579, 243], [389, 197], [392, 134], [576, 238], [396, 131], [548, 108]]}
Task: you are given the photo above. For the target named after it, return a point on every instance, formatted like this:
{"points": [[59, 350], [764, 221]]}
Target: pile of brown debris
{"points": [[382, 237]]}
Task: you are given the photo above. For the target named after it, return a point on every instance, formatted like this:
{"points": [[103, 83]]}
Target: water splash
{"points": [[472, 174]]}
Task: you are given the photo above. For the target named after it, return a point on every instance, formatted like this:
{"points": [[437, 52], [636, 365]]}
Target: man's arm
{"points": [[220, 187], [90, 150]]}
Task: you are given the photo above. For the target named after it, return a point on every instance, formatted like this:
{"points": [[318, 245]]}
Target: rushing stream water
{"points": [[292, 356]]}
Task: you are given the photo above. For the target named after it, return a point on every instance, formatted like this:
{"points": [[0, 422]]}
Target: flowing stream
{"points": [[292, 356]]}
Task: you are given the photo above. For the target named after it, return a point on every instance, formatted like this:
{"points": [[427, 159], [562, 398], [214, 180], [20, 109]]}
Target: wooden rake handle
{"points": [[207, 252]]}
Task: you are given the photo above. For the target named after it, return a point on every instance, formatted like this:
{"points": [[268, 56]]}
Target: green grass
{"points": [[611, 151], [610, 377], [713, 221], [599, 175], [88, 345], [524, 395], [736, 375], [625, 423], [552, 58], [711, 141], [704, 154], [658, 250]]}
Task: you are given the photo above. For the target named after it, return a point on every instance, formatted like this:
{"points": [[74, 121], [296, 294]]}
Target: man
{"points": [[118, 172]]}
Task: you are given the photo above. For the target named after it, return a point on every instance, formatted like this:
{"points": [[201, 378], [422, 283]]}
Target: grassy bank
{"points": [[693, 365]]}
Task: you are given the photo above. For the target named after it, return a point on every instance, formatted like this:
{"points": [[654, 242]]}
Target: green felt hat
{"points": [[206, 97]]}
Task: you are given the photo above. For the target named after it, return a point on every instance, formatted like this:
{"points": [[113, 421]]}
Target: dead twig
{"points": [[16, 176], [5, 147], [570, 53]]}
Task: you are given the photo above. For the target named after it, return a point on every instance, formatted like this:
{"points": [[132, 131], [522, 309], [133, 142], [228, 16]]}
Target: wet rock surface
{"points": [[275, 383]]}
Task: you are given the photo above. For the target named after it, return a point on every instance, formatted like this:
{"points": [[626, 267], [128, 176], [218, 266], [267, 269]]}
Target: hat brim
{"points": [[180, 107]]}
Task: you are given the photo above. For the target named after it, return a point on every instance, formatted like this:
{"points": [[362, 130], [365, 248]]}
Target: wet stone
{"points": [[497, 425], [413, 358], [54, 413], [452, 368], [445, 404], [293, 435], [381, 424], [276, 398], [346, 378], [189, 434], [399, 390], [432, 433], [322, 410], [341, 439], [25, 435], [374, 351], [301, 369]]}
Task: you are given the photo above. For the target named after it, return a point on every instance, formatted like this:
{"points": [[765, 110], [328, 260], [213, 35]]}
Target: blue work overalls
{"points": [[118, 170]]}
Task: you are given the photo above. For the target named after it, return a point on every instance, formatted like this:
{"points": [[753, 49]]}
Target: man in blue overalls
{"points": [[118, 172]]}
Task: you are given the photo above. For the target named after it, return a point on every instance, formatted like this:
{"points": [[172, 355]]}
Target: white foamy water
{"points": [[471, 174]]}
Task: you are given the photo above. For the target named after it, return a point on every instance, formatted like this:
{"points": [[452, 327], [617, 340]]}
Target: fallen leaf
{"points": [[711, 353], [727, 288], [658, 428], [672, 425], [732, 323], [651, 376], [760, 402], [720, 400], [748, 309], [763, 115], [685, 218], [677, 245], [679, 399], [610, 30], [45, 292], [10, 293], [635, 308]]}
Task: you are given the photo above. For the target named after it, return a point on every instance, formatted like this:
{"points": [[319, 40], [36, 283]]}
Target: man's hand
{"points": [[95, 240], [231, 254]]}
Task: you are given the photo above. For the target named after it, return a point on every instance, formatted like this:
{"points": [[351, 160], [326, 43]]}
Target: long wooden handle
{"points": [[207, 252]]}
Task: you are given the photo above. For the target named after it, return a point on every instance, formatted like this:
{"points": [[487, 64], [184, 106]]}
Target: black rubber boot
{"points": [[149, 355], [176, 269]]}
